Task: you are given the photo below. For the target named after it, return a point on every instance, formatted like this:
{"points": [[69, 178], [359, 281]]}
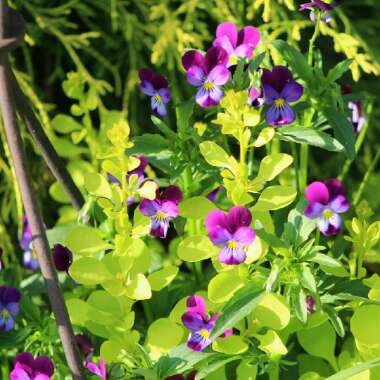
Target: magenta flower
{"points": [[325, 202], [208, 73], [162, 209], [324, 10], [155, 86], [199, 323], [231, 232], [310, 304], [98, 370], [85, 346], [29, 259], [28, 368], [279, 90], [63, 257], [190, 376], [236, 44], [9, 307], [357, 117], [255, 97]]}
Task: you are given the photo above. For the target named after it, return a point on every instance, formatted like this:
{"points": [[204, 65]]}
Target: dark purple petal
{"points": [[292, 92], [216, 219], [26, 235], [159, 81], [193, 58], [63, 257], [250, 36], [169, 208], [277, 78], [172, 193], [212, 195], [193, 321], [317, 192], [219, 236], [24, 360], [84, 344], [310, 304], [195, 76], [215, 56], [346, 89], [175, 377], [314, 210], [219, 75], [238, 216], [147, 88], [232, 256], [229, 30], [196, 304], [335, 187], [270, 94], [317, 4], [160, 229], [44, 366], [244, 236], [145, 74], [148, 207], [339, 204], [208, 98], [10, 295]]}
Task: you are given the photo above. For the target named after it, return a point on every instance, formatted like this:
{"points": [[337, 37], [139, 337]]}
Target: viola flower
{"points": [[357, 118], [325, 202], [279, 90], [208, 73], [98, 370], [236, 44], [324, 10], [9, 307], [310, 304], [155, 86], [255, 97], [29, 259], [85, 346], [26, 367], [62, 257], [213, 195], [162, 209], [231, 232], [199, 323]]}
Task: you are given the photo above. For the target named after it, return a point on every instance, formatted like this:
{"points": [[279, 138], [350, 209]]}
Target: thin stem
{"points": [[311, 43], [304, 162], [293, 147]]}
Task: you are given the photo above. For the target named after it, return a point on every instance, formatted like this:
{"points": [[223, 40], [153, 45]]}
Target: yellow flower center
{"points": [[158, 98], [160, 215], [232, 244], [279, 103], [208, 86], [204, 333], [327, 214], [233, 59], [5, 314]]}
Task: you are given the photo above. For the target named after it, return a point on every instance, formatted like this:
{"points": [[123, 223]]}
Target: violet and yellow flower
{"points": [[29, 258], [209, 73], [236, 44], [9, 307], [279, 90], [199, 323], [26, 367], [232, 232], [99, 370], [63, 257], [319, 10], [162, 209], [326, 201], [155, 86], [357, 117]]}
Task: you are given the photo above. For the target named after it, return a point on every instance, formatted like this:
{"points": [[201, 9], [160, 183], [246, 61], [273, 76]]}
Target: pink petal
{"points": [[229, 30], [317, 192]]}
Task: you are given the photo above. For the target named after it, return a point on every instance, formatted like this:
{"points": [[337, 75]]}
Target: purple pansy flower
{"points": [[155, 86], [357, 118], [231, 232], [162, 209], [199, 323], [255, 97], [29, 259], [279, 90], [62, 257], [99, 370], [9, 307], [236, 44], [325, 202], [28, 368], [310, 304], [322, 7], [208, 73], [85, 346]]}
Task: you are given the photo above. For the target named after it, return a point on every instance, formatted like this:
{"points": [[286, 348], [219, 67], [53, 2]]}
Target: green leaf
{"points": [[348, 373], [256, 62], [217, 156], [158, 280], [184, 112], [230, 345], [271, 343], [196, 248], [242, 303], [196, 207], [336, 72], [275, 197], [65, 124], [343, 130], [213, 365], [97, 185], [271, 166], [308, 280], [89, 271], [330, 265], [110, 350], [335, 320], [298, 303], [295, 59], [222, 287], [138, 288], [246, 370], [163, 127], [149, 144], [310, 136]]}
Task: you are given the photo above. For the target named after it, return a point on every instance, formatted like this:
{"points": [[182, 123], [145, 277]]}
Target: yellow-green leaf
{"points": [[196, 248], [138, 288], [275, 197], [196, 207], [222, 287], [97, 185], [158, 280], [271, 343], [271, 166], [231, 345]]}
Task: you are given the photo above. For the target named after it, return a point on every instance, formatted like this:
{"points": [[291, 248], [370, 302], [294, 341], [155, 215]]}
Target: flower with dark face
{"points": [[9, 307], [29, 259], [325, 202], [236, 44], [26, 367], [155, 86], [99, 370], [199, 323], [162, 209], [62, 257], [279, 90], [319, 10], [208, 73], [255, 97], [231, 232]]}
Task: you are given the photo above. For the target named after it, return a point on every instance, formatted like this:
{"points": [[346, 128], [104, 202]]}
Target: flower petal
{"points": [[13, 308], [159, 81], [9, 324], [314, 210], [196, 304], [93, 368], [219, 236], [145, 74], [270, 94], [335, 187], [215, 56], [330, 226], [148, 208], [219, 75], [244, 236], [238, 216], [11, 295], [214, 219], [193, 58], [224, 43], [277, 78], [172, 193], [229, 30], [159, 228], [243, 51], [193, 321], [19, 374], [165, 94], [206, 98], [250, 36], [169, 208], [44, 365], [158, 107], [339, 204], [147, 88], [232, 256], [195, 76], [287, 115], [317, 192], [197, 342], [292, 92]]}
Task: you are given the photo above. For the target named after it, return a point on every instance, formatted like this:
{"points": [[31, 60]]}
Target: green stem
{"points": [[304, 161], [317, 236], [311, 44], [274, 370], [293, 147]]}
